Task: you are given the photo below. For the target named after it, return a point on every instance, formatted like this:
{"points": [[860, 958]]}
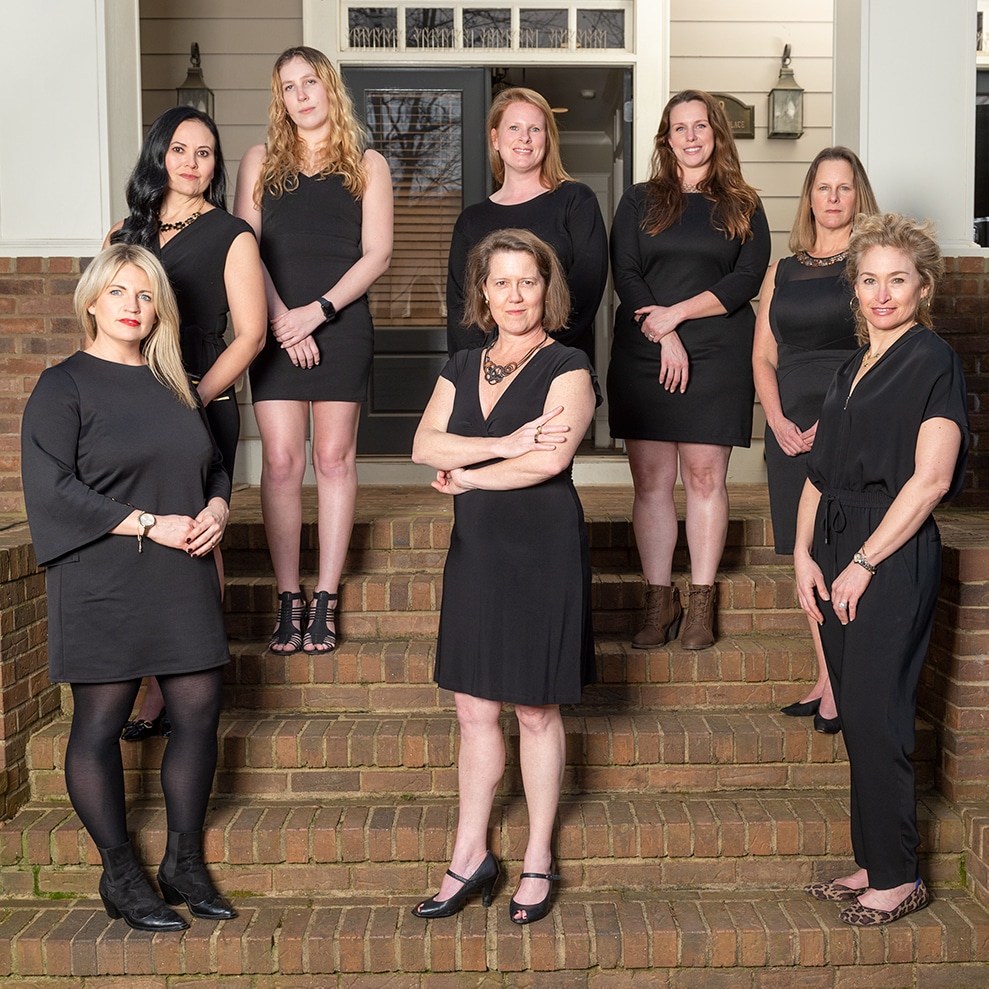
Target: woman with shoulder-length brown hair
{"points": [[689, 248], [533, 191], [320, 203], [804, 331], [890, 446], [501, 429], [127, 498]]}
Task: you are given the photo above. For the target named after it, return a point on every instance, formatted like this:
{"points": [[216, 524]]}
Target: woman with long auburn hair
{"points": [[320, 203], [689, 248]]}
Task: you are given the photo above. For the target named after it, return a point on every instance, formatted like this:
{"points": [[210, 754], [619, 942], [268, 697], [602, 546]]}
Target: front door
{"points": [[429, 125]]}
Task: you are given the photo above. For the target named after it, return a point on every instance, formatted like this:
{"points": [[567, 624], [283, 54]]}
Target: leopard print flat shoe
{"points": [[832, 892], [860, 916]]}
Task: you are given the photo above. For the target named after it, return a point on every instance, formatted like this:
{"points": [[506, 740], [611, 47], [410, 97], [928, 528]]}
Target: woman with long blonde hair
{"points": [[320, 203], [127, 498]]}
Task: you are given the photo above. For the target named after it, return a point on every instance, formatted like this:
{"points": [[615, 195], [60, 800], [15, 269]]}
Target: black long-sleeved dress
{"points": [[98, 440], [569, 220], [664, 269]]}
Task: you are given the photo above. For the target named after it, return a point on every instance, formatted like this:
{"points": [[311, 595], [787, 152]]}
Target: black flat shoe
{"points": [[138, 729], [533, 911], [827, 726], [483, 879], [802, 710]]}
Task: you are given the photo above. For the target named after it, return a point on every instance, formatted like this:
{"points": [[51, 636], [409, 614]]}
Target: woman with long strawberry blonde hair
{"points": [[320, 203]]}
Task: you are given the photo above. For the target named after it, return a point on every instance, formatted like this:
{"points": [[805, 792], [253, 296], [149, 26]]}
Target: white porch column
{"points": [[70, 121], [904, 99]]}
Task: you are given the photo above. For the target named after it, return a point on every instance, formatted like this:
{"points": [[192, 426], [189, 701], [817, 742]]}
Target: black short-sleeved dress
{"points": [[97, 438], [862, 457], [195, 259], [569, 220], [815, 334], [310, 237], [680, 262], [515, 623]]}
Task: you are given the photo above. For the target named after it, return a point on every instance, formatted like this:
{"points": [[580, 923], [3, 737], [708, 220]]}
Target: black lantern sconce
{"points": [[194, 91], [786, 103]]}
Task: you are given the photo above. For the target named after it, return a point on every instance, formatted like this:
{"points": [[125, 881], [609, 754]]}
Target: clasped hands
{"points": [[293, 330], [195, 536], [658, 325]]}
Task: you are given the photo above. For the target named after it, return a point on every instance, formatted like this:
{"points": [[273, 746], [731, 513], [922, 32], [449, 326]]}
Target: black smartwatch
{"points": [[329, 312]]}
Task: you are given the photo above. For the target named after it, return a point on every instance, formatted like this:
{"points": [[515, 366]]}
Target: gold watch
{"points": [[145, 520]]}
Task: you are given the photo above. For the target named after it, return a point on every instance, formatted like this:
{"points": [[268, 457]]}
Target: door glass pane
{"points": [[429, 27], [420, 132], [600, 28], [373, 27], [543, 29], [489, 27]]}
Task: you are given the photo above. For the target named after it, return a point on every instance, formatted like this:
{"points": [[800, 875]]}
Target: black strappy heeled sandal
{"points": [[319, 632], [288, 631]]}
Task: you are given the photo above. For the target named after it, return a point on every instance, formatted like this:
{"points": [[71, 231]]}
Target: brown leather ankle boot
{"points": [[663, 614], [699, 633]]}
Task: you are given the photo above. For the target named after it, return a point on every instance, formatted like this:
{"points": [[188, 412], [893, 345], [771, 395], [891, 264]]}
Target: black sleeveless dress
{"points": [[815, 334], [515, 623], [194, 260], [310, 237]]}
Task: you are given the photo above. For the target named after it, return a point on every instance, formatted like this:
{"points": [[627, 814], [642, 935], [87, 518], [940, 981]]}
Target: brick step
{"points": [[420, 544], [747, 839], [402, 605], [742, 671], [760, 939], [349, 755]]}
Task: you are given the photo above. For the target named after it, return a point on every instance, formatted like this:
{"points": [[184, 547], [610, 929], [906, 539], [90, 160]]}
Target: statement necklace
{"points": [[179, 224], [811, 262], [496, 373]]}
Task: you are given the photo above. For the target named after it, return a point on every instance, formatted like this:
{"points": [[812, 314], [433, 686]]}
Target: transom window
{"points": [[593, 24]]}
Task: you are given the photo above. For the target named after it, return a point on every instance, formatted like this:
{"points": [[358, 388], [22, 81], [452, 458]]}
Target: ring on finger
{"points": [[843, 605]]}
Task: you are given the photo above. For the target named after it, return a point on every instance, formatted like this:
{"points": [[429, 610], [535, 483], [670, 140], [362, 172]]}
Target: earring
{"points": [[485, 300], [853, 303]]}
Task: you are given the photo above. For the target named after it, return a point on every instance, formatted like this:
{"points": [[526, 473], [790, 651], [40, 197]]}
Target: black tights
{"points": [[94, 774]]}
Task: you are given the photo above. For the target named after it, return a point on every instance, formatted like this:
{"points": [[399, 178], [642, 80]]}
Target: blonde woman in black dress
{"points": [[689, 249], [804, 331], [127, 499], [320, 203]]}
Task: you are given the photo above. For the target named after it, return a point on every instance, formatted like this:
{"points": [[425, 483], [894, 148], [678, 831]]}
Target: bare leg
{"points": [[335, 463], [152, 702], [542, 751], [480, 769], [283, 428], [704, 468], [654, 516]]}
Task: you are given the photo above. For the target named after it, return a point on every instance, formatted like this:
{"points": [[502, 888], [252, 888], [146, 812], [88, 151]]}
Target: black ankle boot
{"points": [[126, 893], [182, 877]]}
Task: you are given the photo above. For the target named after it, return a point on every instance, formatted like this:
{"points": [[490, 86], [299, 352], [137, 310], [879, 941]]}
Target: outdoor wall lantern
{"points": [[194, 91], [786, 103]]}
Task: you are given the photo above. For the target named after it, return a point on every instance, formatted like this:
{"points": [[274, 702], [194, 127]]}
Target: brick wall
{"points": [[37, 329], [27, 699]]}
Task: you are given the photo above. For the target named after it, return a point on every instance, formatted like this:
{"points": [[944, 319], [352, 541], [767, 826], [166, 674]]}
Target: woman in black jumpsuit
{"points": [[891, 445]]}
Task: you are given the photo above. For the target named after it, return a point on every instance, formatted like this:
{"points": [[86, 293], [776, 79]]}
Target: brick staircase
{"points": [[693, 812]]}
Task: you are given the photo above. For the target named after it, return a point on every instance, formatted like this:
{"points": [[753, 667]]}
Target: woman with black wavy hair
{"points": [[176, 196]]}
